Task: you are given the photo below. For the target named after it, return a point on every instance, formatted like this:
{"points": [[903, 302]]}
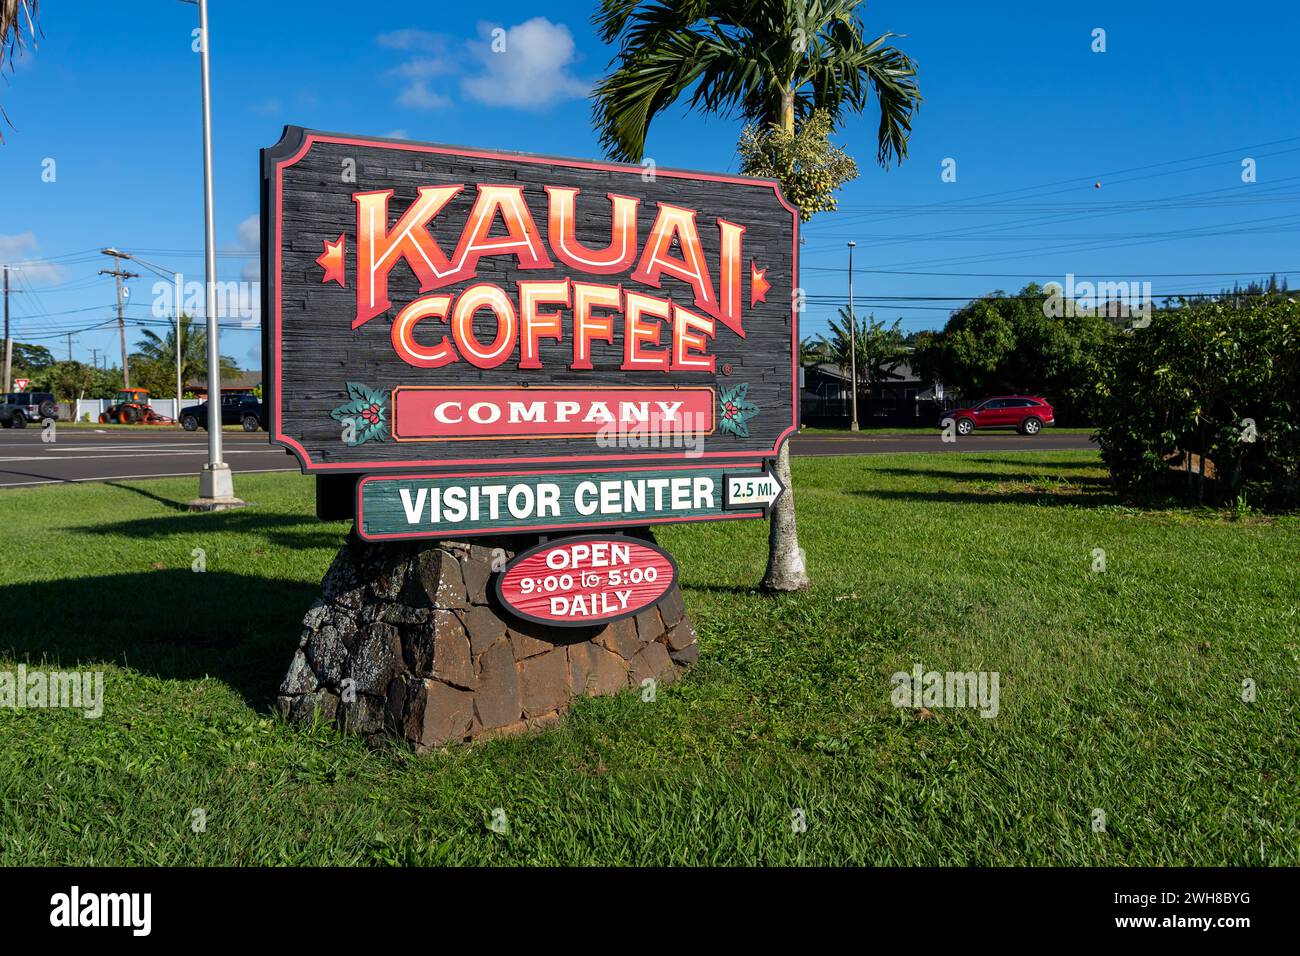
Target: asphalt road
{"points": [[146, 451], [159, 452]]}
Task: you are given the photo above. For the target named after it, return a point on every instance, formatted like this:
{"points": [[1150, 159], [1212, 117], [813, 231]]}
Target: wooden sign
{"points": [[512, 502], [585, 580], [432, 308]]}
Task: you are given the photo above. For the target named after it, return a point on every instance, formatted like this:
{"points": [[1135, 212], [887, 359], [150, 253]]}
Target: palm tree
{"points": [[161, 350], [812, 351], [880, 347], [771, 61], [17, 29]]}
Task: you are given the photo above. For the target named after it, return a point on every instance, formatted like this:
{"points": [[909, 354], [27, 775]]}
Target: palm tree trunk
{"points": [[786, 570]]}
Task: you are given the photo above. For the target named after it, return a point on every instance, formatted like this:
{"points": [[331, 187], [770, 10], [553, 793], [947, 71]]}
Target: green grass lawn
{"points": [[1120, 691]]}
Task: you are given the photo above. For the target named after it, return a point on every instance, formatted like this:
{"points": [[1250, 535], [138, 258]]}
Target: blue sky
{"points": [[1162, 120]]}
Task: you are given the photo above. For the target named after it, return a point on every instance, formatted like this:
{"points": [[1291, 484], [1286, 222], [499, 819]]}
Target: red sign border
{"points": [[724, 515], [570, 539], [275, 161]]}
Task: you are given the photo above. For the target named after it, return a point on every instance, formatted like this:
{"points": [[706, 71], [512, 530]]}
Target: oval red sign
{"points": [[585, 580]]}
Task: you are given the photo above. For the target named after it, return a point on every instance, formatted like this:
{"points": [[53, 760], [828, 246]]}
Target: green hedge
{"points": [[1219, 380]]}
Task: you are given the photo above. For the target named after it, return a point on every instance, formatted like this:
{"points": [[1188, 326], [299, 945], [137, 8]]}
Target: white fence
{"points": [[163, 406]]}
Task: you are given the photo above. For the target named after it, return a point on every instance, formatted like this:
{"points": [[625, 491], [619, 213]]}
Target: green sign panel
{"points": [[424, 506]]}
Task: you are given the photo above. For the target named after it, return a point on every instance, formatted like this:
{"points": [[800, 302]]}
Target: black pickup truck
{"points": [[236, 409]]}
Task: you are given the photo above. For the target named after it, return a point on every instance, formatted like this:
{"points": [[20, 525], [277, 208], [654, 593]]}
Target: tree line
{"points": [[1014, 344]]}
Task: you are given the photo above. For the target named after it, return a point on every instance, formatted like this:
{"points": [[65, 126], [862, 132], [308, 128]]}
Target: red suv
{"points": [[1025, 413]]}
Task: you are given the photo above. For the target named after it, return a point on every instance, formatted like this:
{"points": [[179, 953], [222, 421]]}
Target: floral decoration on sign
{"points": [[737, 409], [367, 411]]}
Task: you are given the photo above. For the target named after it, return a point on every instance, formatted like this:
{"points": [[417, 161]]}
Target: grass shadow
{"points": [[172, 624], [1054, 465], [989, 476], [173, 504], [1083, 499], [286, 530], [745, 589]]}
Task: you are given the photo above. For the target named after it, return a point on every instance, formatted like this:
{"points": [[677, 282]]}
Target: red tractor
{"points": [[131, 407]]}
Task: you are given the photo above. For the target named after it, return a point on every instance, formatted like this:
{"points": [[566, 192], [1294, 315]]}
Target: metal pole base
{"points": [[853, 427], [216, 490]]}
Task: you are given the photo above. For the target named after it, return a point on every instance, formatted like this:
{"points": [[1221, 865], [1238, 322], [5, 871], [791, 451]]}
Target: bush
{"points": [[1217, 380]]}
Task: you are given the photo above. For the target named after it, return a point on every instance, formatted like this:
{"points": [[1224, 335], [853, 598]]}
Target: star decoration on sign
{"points": [[758, 284], [331, 260]]}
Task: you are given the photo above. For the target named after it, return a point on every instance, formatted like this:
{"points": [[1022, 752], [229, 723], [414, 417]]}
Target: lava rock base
{"points": [[407, 640]]}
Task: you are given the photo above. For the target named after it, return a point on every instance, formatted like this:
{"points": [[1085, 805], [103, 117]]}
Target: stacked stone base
{"points": [[407, 640]]}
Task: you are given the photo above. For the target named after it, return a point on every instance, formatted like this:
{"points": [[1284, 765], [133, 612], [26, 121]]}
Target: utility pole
{"points": [[69, 346], [853, 346], [9, 343], [94, 358], [177, 286], [175, 278], [117, 273], [216, 486]]}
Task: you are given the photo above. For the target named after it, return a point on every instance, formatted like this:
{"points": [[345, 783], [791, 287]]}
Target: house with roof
{"points": [[902, 400], [240, 382]]}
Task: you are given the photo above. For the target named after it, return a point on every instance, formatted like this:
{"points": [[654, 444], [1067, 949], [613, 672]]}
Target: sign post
{"points": [[479, 352]]}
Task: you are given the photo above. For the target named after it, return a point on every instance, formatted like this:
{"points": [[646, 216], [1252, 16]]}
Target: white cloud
{"points": [[429, 59], [411, 39], [418, 96], [527, 66], [250, 240], [532, 72], [250, 232], [20, 252], [423, 67], [397, 134]]}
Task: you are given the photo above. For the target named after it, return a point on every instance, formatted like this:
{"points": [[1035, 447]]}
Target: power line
{"points": [[1083, 181], [135, 323], [1020, 222]]}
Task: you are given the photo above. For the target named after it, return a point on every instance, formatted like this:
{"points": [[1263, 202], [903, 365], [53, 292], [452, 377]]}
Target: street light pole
{"points": [[216, 487], [853, 347], [179, 346], [9, 345]]}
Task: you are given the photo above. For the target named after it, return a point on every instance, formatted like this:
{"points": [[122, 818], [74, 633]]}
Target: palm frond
{"points": [[17, 29], [745, 57]]}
